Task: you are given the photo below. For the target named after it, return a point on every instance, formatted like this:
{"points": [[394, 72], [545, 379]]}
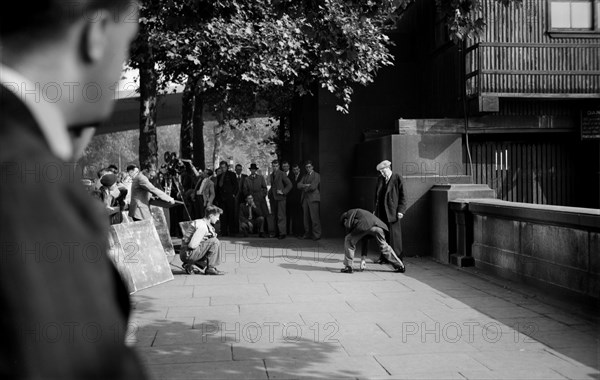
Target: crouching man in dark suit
{"points": [[251, 220], [359, 224]]}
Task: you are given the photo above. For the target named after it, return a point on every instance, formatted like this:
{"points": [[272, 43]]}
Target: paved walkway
{"points": [[283, 311]]}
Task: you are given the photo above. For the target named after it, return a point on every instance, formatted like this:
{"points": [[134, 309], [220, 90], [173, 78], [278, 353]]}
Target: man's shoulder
{"points": [[140, 177], [396, 177]]}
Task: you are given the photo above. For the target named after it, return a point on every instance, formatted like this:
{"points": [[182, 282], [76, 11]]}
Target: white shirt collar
{"points": [[47, 115]]}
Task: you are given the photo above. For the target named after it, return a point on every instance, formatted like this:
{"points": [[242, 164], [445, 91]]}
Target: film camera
{"points": [[173, 165]]}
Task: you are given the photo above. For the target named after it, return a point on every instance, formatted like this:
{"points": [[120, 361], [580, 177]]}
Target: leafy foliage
{"points": [[465, 18], [247, 57], [245, 143]]}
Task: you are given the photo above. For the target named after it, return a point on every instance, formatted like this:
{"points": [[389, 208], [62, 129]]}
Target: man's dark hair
{"points": [[275, 162], [236, 166], [296, 165], [131, 167], [212, 210], [27, 23], [223, 162], [113, 168], [284, 162], [308, 162]]}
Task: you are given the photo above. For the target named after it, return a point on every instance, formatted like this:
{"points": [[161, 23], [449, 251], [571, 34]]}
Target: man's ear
{"points": [[94, 41]]}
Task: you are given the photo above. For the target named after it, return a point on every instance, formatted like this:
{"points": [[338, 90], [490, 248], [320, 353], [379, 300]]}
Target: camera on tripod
{"points": [[173, 165]]}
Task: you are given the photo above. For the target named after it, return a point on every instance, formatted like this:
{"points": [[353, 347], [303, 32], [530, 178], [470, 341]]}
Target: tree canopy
{"points": [[244, 57]]}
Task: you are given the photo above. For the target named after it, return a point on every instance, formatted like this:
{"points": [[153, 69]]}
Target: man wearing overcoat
{"points": [[280, 186], [390, 205]]}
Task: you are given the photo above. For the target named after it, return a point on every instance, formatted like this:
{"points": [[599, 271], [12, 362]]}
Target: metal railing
{"points": [[529, 69]]}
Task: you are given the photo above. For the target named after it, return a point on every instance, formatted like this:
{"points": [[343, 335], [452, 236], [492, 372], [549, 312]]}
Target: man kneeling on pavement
{"points": [[359, 224], [251, 219], [200, 248]]}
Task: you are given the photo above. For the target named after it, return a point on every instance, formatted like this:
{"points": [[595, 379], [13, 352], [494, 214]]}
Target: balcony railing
{"points": [[533, 70]]}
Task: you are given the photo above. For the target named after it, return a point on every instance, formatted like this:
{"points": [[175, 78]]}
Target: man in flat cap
{"points": [[390, 205], [64, 306], [359, 224]]}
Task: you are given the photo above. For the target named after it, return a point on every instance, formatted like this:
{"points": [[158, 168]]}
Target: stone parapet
{"points": [[555, 247]]}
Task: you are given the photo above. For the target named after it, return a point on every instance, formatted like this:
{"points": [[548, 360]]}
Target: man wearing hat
{"points": [[226, 189], [256, 186], [360, 223], [280, 186], [113, 197], [390, 205]]}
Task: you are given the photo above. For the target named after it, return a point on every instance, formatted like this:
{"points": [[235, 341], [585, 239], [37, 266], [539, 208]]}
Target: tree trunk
{"points": [[187, 115], [283, 139], [198, 127], [217, 143], [148, 91]]}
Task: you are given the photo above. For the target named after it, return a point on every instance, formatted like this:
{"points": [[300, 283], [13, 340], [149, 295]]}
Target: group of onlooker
{"points": [[113, 188], [285, 202]]}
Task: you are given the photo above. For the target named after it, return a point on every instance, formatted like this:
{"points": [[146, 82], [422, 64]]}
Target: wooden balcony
{"points": [[531, 70]]}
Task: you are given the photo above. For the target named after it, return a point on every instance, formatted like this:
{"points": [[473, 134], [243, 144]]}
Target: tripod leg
{"points": [[178, 186]]}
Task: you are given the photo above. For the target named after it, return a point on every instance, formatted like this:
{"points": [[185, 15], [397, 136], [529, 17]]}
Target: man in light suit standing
{"points": [[141, 193], [390, 205], [311, 201], [280, 186]]}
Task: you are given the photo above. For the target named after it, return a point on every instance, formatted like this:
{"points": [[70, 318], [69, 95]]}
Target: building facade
{"points": [[529, 87]]}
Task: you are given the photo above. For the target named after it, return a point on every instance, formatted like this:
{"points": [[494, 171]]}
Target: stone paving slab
{"points": [[219, 370], [424, 363], [335, 367], [181, 353], [250, 299], [284, 311], [514, 374]]}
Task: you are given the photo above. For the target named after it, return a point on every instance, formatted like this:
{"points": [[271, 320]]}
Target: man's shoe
{"points": [[363, 265], [281, 237], [188, 268], [347, 269], [213, 272], [399, 268]]}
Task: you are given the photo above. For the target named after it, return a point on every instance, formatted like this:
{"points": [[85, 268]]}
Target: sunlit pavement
{"points": [[284, 311]]}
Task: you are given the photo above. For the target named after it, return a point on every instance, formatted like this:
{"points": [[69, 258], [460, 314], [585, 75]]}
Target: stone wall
{"points": [[551, 246]]}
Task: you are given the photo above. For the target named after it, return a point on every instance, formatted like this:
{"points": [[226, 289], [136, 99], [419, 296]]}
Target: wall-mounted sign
{"points": [[590, 123]]}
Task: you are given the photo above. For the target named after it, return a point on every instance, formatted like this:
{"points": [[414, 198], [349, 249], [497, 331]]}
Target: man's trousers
{"points": [[379, 235], [209, 251]]}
